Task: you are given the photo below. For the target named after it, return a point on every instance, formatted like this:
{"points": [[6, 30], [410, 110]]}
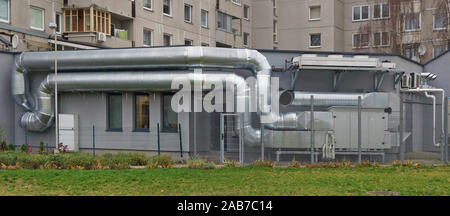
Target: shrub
{"points": [[41, 148], [3, 146], [111, 161], [152, 165], [11, 147], [367, 164], [23, 148], [331, 164], [230, 163], [78, 161], [198, 163], [408, 163], [164, 161], [263, 163], [294, 163], [138, 159]]}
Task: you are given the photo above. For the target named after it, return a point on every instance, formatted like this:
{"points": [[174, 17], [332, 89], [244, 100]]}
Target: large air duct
{"points": [[132, 69]]}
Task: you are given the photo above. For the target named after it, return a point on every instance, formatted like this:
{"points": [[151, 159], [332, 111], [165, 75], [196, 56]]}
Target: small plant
{"points": [[199, 163], [152, 165], [408, 163], [230, 163], [263, 163], [41, 148], [62, 148], [294, 163], [3, 146], [23, 148], [164, 161], [11, 147], [367, 164]]}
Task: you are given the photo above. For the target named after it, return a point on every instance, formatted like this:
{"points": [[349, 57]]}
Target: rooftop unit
{"points": [[358, 62]]}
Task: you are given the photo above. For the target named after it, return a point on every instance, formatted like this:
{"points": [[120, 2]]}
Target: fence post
{"points": [[359, 129], [159, 140], [26, 138], [401, 145], [93, 140], [312, 129], [181, 140], [446, 129]]}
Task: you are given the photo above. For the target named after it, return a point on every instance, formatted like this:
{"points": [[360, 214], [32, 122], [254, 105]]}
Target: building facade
{"points": [[417, 29], [89, 24]]}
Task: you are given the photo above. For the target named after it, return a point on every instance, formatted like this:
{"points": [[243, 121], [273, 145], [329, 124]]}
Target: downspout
{"points": [[434, 116]]}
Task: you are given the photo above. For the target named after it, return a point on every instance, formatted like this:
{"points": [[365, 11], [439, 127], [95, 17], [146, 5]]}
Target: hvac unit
{"points": [[405, 82], [68, 131], [415, 80], [101, 37]]}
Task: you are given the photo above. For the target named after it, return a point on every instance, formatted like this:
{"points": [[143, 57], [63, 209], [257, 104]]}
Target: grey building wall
{"points": [[7, 119]]}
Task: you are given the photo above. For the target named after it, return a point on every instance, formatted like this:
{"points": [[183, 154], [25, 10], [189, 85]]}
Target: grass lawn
{"points": [[230, 181]]}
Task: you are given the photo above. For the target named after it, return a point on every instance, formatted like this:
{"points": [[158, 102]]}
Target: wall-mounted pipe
{"points": [[426, 91]]}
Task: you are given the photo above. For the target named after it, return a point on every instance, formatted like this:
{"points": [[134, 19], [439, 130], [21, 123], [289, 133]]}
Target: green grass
{"points": [[229, 181]]}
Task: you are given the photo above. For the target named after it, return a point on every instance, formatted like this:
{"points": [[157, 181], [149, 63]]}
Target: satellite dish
{"points": [[15, 41], [422, 50]]}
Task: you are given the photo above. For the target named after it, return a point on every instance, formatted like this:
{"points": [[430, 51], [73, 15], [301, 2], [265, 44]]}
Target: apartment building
{"points": [[91, 24], [417, 29]]}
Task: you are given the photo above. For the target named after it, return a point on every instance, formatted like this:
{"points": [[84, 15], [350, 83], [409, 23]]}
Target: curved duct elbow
{"points": [[19, 85]]}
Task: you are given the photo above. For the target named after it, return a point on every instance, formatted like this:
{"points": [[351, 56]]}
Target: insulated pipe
{"points": [[442, 91], [434, 116]]}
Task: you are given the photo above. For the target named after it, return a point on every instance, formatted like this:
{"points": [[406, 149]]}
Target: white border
{"points": [[381, 39], [190, 13], [310, 34], [148, 8], [360, 38], [207, 18], [170, 9], [151, 36], [434, 21], [412, 30], [360, 6], [381, 11]]}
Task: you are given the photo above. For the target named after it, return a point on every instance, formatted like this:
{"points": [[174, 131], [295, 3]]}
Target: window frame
{"points": [[8, 6], [434, 50], [310, 41], [381, 39], [360, 40], [163, 129], [190, 13], [361, 16], [148, 8], [190, 41], [170, 9], [381, 11], [237, 2], [246, 8], [135, 129], [151, 37], [108, 122], [60, 26], [207, 18], [309, 11], [224, 18], [434, 22], [412, 30], [43, 19], [245, 37], [170, 39]]}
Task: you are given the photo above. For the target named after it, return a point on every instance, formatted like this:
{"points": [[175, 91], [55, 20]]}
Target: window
{"points": [[274, 4], [223, 21], [167, 40], [166, 7], [79, 20], [381, 11], [438, 50], [147, 4], [204, 18], [314, 13], [238, 2], [4, 11], [412, 22], [142, 112], [411, 51], [275, 31], [187, 13], [360, 13], [37, 18], [381, 39], [115, 112], [246, 35], [188, 42], [147, 37], [205, 44], [169, 117], [58, 19], [315, 40], [440, 21], [360, 40], [246, 12]]}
